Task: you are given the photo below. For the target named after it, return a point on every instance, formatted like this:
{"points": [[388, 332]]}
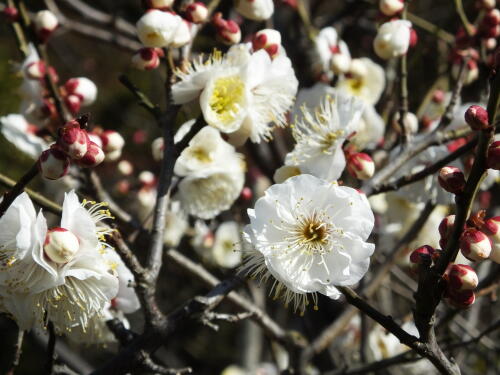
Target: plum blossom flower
{"points": [[320, 135], [240, 92], [309, 235], [20, 133], [58, 275], [393, 39], [331, 52], [226, 251], [157, 28]]}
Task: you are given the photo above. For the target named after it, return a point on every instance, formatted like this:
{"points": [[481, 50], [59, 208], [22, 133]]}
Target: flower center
{"points": [[330, 140], [312, 234], [226, 95], [227, 245], [201, 155], [153, 37], [355, 85]]}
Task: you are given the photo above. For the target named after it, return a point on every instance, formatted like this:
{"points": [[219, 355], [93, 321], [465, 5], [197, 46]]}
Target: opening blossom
{"points": [[59, 275], [309, 235], [241, 92], [393, 39]]}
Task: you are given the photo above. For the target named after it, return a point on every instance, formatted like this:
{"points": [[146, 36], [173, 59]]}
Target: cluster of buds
{"points": [[489, 27], [45, 23], [267, 39], [451, 179], [161, 28], [359, 165], [461, 282], [228, 31]]}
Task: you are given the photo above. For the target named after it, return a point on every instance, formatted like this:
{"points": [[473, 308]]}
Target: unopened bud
{"points": [[146, 59], [493, 158], [73, 140], [475, 245], [196, 12], [492, 17], [446, 226], [95, 137], [73, 103], [360, 165], [477, 117], [267, 39], [413, 37], [410, 123], [393, 39], [45, 23], [460, 300], [256, 10], [83, 88], [438, 96], [391, 7], [491, 228], [60, 245], [53, 163], [35, 70], [125, 168], [462, 277], [452, 179], [157, 4], [93, 157], [11, 13], [486, 4], [112, 144], [157, 149], [246, 194], [182, 35], [147, 178], [422, 255], [228, 31]]}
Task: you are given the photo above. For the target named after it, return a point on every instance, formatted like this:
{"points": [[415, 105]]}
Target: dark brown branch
{"points": [[17, 189], [51, 353]]}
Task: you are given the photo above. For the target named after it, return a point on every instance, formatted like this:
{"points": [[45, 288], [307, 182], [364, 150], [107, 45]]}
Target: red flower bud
{"points": [[11, 13], [460, 300], [73, 103], [475, 245], [493, 160], [93, 157], [228, 31], [491, 228], [73, 140], [146, 59], [451, 179], [360, 165], [53, 163], [422, 255], [196, 12], [462, 277], [477, 117], [446, 226]]}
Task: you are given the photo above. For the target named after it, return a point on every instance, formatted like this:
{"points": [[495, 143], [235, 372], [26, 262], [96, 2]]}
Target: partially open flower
{"points": [[452, 179], [53, 163], [360, 165], [45, 23], [93, 157], [60, 245], [226, 251], [267, 39], [257, 10], [146, 59], [82, 87], [477, 117], [228, 31], [73, 140], [475, 245], [462, 277], [393, 39], [157, 28], [196, 12]]}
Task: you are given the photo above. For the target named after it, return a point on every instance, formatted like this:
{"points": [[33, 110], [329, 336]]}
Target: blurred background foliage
{"points": [[74, 55]]}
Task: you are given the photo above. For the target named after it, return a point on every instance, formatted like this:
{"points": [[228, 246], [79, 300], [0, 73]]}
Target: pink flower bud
{"points": [[11, 13], [475, 245], [391, 7], [422, 255], [95, 137], [122, 187], [267, 39], [147, 178], [35, 70], [146, 59], [112, 144], [73, 140], [60, 245], [451, 179], [491, 228], [477, 117], [157, 4], [413, 37], [446, 226], [462, 277], [196, 12], [493, 160], [360, 165], [83, 88], [73, 103], [438, 96], [228, 31], [48, 108], [53, 163], [93, 157], [45, 23], [460, 300], [246, 194]]}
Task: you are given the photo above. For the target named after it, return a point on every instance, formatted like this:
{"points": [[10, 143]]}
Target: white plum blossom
{"points": [[309, 235], [331, 53], [321, 134], [226, 251], [393, 39], [257, 10], [366, 80], [20, 133], [67, 290], [158, 29], [240, 92]]}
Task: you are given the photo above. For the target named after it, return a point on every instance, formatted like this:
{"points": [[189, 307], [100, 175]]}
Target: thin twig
{"points": [[17, 189], [51, 346]]}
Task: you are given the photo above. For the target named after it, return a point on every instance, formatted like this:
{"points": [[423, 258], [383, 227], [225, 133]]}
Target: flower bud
{"points": [[446, 226], [360, 165], [452, 179], [340, 62], [82, 87], [146, 59], [256, 10], [410, 122], [493, 159], [422, 255], [125, 168], [477, 117], [35, 70], [182, 35], [267, 39], [486, 4], [73, 140], [60, 245], [93, 157], [462, 277], [196, 12], [112, 144], [157, 149], [491, 228], [391, 7], [393, 39], [157, 28], [73, 103], [460, 300], [147, 178], [413, 37], [157, 4], [438, 96], [228, 31], [11, 13], [471, 74], [492, 18], [246, 194], [53, 163], [475, 245], [45, 23]]}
